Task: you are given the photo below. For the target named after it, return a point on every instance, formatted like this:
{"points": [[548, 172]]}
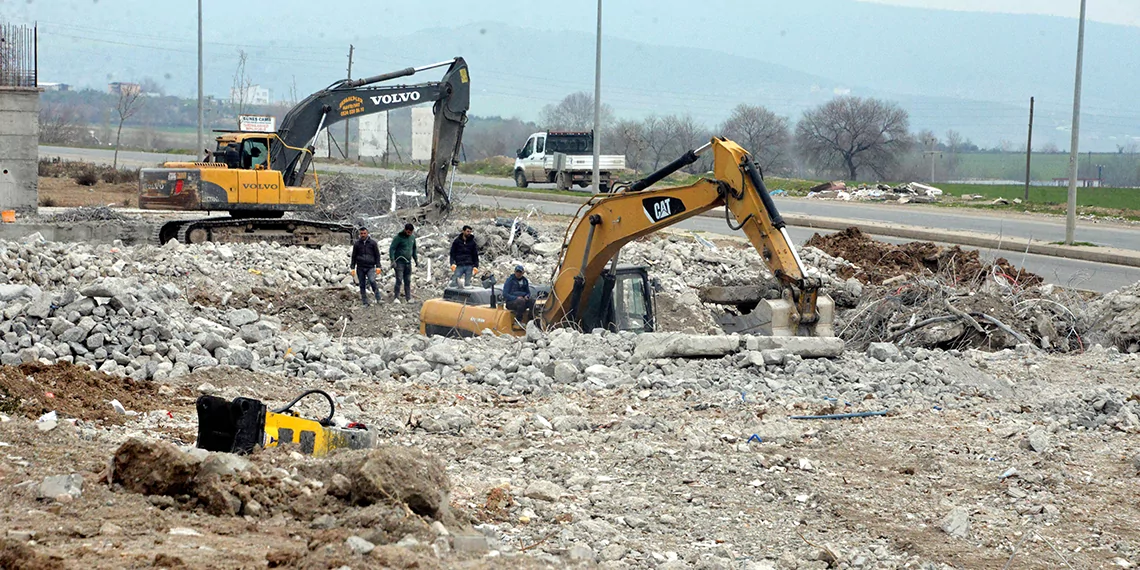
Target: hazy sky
{"points": [[1125, 12]]}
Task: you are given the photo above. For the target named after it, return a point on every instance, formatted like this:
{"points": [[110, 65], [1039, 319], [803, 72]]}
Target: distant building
{"points": [[121, 88], [255, 95], [55, 86]]}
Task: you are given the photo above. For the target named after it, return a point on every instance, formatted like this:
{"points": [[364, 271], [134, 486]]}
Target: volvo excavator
{"points": [[589, 290], [258, 177]]}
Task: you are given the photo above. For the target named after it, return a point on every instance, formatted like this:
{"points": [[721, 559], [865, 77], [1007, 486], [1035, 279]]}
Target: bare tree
{"points": [[627, 137], [129, 103], [953, 140], [954, 145], [762, 133], [575, 113], [851, 133], [1050, 148], [239, 93], [686, 134], [293, 91], [655, 133], [60, 124]]}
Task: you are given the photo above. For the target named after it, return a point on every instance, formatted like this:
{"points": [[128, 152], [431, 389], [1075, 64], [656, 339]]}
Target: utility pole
{"points": [[348, 121], [933, 152], [200, 147], [598, 104], [1029, 150], [1071, 217]]}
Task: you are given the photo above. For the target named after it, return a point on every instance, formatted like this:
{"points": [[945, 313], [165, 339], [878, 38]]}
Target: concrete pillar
{"points": [[423, 122], [19, 148]]}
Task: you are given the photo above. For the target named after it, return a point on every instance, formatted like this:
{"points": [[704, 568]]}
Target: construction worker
{"points": [[402, 253], [365, 265], [516, 292], [464, 257]]}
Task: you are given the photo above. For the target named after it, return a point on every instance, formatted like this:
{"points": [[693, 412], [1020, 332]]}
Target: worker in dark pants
{"points": [[402, 253], [365, 265], [464, 257], [516, 292]]}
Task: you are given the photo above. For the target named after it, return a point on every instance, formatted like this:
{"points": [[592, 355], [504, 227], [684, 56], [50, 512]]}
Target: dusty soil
{"points": [[878, 484], [73, 391], [66, 193], [879, 261]]}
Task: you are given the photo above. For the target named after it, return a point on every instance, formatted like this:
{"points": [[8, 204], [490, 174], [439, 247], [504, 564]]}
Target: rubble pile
{"points": [[660, 450], [910, 192]]}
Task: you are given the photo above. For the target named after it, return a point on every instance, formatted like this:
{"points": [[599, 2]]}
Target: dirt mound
{"points": [[222, 484], [15, 555], [878, 261], [73, 391]]}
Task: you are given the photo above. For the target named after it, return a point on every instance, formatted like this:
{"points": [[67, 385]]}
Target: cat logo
{"points": [[463, 75], [351, 105], [662, 207]]}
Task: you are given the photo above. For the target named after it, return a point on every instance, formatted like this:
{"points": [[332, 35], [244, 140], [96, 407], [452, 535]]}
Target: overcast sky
{"points": [[1125, 12]]}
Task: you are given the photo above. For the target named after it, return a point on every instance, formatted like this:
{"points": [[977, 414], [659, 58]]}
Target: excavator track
{"points": [[225, 229]]}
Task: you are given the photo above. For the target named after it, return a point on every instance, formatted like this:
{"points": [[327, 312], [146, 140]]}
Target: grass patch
{"points": [[1111, 198], [1078, 243]]}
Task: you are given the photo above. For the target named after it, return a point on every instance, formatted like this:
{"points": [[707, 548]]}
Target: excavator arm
{"points": [[609, 223], [291, 153]]}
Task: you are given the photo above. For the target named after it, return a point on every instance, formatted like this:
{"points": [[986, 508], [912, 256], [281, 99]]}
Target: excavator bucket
{"points": [[784, 319]]}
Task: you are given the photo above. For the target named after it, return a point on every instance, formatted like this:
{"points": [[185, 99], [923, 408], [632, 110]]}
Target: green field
{"points": [[1109, 198]]}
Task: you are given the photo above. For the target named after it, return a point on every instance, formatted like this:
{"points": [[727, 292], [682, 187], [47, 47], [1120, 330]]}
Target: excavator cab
{"points": [[621, 300]]}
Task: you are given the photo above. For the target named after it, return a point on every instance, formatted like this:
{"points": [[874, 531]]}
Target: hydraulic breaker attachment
{"points": [[241, 425]]}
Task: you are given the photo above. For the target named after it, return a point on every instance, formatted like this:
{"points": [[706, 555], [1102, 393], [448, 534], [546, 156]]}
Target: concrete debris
{"points": [[911, 192], [59, 485], [558, 446], [956, 523]]}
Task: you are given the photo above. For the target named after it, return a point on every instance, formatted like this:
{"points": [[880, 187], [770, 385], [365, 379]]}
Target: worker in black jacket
{"points": [[365, 265], [464, 257]]}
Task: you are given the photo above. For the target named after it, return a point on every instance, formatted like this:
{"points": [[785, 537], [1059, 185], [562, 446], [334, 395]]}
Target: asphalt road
{"points": [[1059, 271], [1065, 272]]}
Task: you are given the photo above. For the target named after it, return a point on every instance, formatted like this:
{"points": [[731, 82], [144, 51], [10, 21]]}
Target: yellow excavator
{"points": [[258, 177], [590, 290]]}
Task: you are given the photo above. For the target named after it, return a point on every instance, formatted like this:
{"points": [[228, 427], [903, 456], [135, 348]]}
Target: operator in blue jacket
{"points": [[516, 291]]}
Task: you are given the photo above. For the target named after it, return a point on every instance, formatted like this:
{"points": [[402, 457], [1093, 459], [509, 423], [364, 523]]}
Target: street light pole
{"points": [[598, 104], [1071, 217], [199, 148]]}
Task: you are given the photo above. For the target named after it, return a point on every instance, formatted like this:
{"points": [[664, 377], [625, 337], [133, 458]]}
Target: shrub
{"points": [[87, 178]]}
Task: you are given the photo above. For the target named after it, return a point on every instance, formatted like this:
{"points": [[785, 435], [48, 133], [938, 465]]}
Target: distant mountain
{"points": [[972, 72]]}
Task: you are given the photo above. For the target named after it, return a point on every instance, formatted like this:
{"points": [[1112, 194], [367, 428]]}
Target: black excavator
{"points": [[258, 177]]}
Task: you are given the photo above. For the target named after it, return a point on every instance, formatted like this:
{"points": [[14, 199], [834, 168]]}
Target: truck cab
{"points": [[565, 158]]}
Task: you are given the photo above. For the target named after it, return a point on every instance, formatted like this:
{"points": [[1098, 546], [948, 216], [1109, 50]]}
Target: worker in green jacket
{"points": [[402, 253]]}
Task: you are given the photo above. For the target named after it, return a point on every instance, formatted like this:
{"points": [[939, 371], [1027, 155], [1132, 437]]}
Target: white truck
{"points": [[564, 158]]}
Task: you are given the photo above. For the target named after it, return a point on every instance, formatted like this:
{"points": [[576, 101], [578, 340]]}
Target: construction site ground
{"points": [[983, 448]]}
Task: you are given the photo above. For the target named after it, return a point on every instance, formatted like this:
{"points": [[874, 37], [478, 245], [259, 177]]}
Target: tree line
{"points": [[849, 137]]}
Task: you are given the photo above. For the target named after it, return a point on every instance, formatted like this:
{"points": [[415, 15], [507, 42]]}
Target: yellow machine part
{"points": [[311, 437], [439, 317]]}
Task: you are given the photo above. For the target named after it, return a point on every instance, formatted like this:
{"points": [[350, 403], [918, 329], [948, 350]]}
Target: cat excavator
{"points": [[258, 177], [590, 290]]}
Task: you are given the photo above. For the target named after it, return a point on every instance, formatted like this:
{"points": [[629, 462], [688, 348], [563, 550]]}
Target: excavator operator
{"points": [[516, 292]]}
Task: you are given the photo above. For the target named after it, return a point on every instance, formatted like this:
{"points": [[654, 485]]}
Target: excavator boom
{"points": [[588, 290], [613, 221], [258, 177]]}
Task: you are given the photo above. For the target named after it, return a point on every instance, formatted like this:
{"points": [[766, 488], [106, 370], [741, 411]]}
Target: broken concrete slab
{"points": [[678, 345], [802, 346]]}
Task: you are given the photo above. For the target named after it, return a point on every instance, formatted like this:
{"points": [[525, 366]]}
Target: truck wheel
{"points": [[604, 187], [562, 180], [520, 179], [583, 184]]}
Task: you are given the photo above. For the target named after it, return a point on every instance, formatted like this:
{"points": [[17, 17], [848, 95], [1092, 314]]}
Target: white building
{"points": [[254, 95]]}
